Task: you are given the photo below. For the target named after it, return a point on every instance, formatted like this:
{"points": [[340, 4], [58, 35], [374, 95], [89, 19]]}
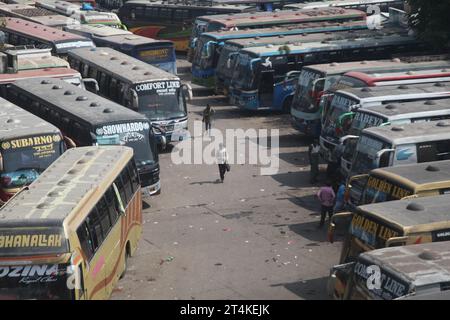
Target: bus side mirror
{"points": [[346, 116], [1, 162], [378, 160], [318, 85], [119, 199], [134, 100], [347, 137], [334, 220], [292, 75], [188, 91], [69, 142], [91, 84], [396, 241]]}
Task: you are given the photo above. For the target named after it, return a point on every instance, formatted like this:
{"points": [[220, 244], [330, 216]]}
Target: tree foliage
{"points": [[431, 20]]}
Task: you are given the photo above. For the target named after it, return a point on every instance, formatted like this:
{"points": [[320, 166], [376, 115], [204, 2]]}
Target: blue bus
{"points": [[265, 77], [159, 53], [209, 46]]}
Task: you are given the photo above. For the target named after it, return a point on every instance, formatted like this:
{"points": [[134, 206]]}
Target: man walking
{"points": [[222, 161], [313, 153], [207, 117], [326, 197]]}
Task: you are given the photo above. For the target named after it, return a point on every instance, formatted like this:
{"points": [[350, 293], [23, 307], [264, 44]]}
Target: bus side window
{"points": [[113, 90], [121, 187], [121, 93], [132, 171], [85, 240], [443, 150], [92, 73], [95, 228], [113, 205], [103, 211], [84, 70], [126, 179], [426, 152]]}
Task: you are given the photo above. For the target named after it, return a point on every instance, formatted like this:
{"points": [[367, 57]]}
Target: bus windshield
{"points": [[36, 282], [364, 120], [131, 134], [303, 97], [206, 53], [225, 64], [153, 55], [161, 100], [381, 190], [24, 158], [339, 105], [243, 74], [366, 154]]}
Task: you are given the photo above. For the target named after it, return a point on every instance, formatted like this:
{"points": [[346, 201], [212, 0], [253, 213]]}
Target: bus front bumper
{"points": [[153, 189], [245, 100]]}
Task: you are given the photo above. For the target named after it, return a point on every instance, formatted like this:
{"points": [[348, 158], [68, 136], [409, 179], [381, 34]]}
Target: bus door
{"points": [[266, 88]]}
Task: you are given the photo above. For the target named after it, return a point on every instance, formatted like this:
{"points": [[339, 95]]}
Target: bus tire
{"points": [[125, 263], [287, 105]]}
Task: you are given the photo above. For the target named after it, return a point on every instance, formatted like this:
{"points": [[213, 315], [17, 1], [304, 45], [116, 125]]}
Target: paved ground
{"points": [[252, 237]]}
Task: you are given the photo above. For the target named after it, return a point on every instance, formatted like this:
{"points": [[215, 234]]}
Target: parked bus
{"points": [[229, 50], [265, 77], [386, 146], [257, 20], [22, 32], [316, 80], [208, 51], [398, 182], [28, 145], [36, 15], [87, 119], [169, 21], [386, 114], [17, 58], [419, 272], [157, 94], [387, 224], [364, 5], [159, 53], [70, 234], [76, 12], [336, 105]]}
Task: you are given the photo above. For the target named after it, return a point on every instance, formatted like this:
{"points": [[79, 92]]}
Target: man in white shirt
{"points": [[222, 161]]}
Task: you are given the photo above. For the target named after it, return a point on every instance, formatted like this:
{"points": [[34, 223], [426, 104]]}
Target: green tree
{"points": [[431, 20]]}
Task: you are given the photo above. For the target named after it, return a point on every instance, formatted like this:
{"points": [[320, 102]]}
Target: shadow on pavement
{"points": [[205, 182], [314, 289], [310, 231]]}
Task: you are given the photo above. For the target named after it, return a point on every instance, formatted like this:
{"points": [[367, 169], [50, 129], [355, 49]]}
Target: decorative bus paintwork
{"points": [[169, 21], [87, 211]]}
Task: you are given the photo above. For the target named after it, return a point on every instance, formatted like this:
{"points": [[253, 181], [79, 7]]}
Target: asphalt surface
{"points": [[252, 237]]}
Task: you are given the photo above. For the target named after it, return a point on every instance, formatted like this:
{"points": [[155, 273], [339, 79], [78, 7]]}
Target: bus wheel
{"points": [[287, 105], [125, 263]]}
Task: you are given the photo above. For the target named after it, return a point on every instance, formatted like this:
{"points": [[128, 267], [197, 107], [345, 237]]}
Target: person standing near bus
{"points": [[326, 197], [208, 113], [313, 153], [222, 161]]}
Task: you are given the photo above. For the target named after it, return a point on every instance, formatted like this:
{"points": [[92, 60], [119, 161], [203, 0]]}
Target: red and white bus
{"points": [[23, 32], [359, 79]]}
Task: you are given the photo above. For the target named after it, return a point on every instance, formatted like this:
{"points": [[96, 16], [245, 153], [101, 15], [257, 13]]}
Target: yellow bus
{"points": [[398, 182], [388, 224], [69, 234]]}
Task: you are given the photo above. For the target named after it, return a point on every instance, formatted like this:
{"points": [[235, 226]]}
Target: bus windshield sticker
{"points": [[32, 241], [157, 55], [440, 235], [43, 146], [393, 192], [161, 88], [371, 232]]}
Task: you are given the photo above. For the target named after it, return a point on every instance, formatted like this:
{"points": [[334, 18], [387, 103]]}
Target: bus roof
{"points": [[296, 29], [421, 264], [99, 30], [86, 106], [395, 39], [39, 15], [32, 58], [37, 73], [127, 68], [297, 39], [386, 93], [375, 65], [409, 213], [373, 76], [65, 186], [183, 5], [288, 16], [337, 3], [132, 40], [16, 122], [39, 30], [417, 175], [409, 110], [412, 132]]}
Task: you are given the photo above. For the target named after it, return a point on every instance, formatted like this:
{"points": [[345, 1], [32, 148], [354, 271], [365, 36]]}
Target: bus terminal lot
{"points": [[252, 237]]}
